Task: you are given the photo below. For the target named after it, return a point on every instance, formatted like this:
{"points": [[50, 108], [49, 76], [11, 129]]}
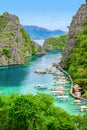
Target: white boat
{"points": [[83, 108], [40, 71], [60, 82], [77, 102], [40, 87], [56, 93], [58, 88], [64, 97]]}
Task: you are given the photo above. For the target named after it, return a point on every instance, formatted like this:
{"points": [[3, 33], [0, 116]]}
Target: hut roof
{"points": [[77, 88]]}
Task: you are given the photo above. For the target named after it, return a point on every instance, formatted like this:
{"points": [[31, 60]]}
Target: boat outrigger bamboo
{"points": [[40, 71], [40, 87]]}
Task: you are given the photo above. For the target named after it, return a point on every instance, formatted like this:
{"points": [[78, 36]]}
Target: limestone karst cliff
{"points": [[77, 24], [15, 43], [75, 54]]}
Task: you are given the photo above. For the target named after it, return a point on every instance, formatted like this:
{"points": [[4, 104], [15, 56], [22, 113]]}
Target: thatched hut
{"points": [[77, 90]]}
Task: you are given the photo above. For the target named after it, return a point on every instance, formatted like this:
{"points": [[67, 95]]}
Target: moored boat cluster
{"points": [[60, 89]]}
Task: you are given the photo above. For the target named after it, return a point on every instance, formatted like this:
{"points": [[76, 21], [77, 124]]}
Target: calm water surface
{"points": [[22, 79]]}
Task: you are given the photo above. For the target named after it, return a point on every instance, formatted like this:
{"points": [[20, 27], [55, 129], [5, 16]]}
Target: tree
{"points": [[29, 112], [82, 122]]}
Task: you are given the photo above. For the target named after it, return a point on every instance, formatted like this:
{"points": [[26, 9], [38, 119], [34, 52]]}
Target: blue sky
{"points": [[52, 14]]}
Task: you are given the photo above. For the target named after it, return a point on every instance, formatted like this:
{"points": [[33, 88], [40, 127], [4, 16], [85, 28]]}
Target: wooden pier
{"points": [[72, 84]]}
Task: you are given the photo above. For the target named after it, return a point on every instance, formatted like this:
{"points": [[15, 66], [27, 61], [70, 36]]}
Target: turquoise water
{"points": [[22, 79]]}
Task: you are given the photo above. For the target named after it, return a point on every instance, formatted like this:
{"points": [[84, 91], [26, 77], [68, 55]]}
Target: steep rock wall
{"points": [[77, 24]]}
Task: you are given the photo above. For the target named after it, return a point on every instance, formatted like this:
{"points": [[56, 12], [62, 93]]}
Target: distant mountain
{"points": [[36, 32]]}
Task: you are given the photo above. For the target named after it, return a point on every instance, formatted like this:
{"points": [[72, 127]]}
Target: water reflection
{"points": [[20, 76], [12, 76]]}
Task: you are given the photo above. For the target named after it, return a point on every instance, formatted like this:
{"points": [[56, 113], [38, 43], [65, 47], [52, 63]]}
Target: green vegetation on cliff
{"points": [[28, 112], [75, 54], [54, 43], [77, 60], [15, 43]]}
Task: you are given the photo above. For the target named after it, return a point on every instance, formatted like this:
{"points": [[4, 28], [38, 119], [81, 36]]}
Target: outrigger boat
{"points": [[64, 97], [59, 82], [77, 102], [40, 71], [57, 93], [40, 87], [82, 108], [83, 101], [56, 88]]}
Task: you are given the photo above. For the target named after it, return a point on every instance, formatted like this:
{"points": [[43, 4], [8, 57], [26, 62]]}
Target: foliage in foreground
{"points": [[28, 112], [82, 122]]}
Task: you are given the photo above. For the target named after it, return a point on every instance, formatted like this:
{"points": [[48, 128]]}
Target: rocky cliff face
{"points": [[77, 24], [15, 43]]}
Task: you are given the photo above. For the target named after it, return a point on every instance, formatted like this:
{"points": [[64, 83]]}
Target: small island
{"points": [[54, 43]]}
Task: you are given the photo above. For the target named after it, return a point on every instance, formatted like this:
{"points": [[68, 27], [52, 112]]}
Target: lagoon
{"points": [[22, 79]]}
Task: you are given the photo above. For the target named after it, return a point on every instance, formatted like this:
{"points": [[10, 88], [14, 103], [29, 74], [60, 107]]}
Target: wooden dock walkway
{"points": [[71, 80]]}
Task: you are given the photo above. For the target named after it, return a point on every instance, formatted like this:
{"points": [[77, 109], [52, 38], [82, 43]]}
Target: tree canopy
{"points": [[28, 112]]}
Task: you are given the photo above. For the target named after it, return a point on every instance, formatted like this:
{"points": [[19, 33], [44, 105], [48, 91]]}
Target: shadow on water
{"points": [[16, 76], [12, 76], [33, 58], [54, 51]]}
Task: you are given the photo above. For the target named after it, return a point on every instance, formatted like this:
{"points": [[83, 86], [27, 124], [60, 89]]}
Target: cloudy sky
{"points": [[51, 14]]}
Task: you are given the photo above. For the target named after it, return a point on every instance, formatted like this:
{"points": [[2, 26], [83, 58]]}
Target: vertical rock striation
{"points": [[15, 43], [76, 25]]}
